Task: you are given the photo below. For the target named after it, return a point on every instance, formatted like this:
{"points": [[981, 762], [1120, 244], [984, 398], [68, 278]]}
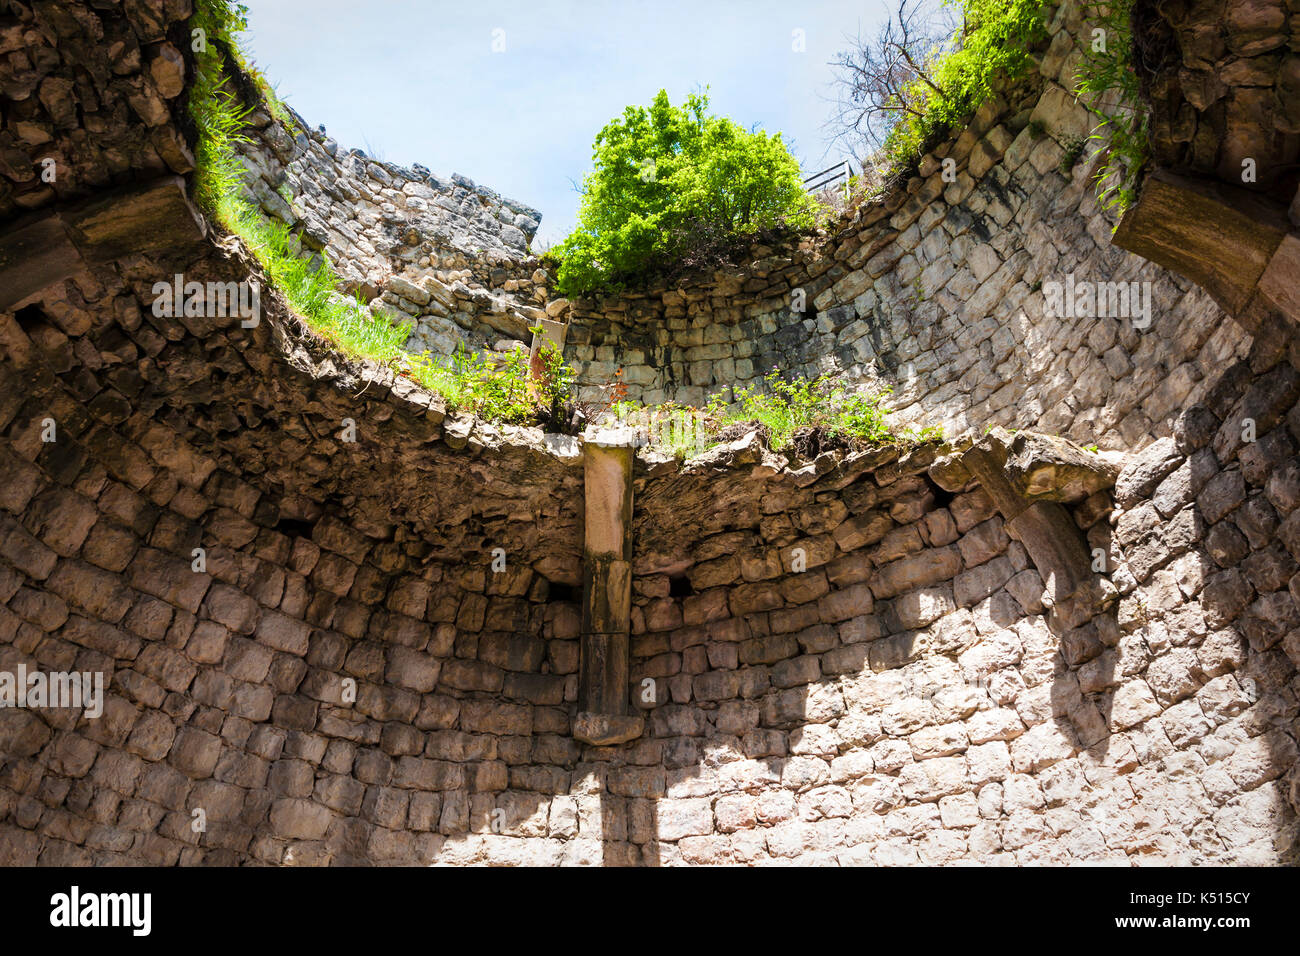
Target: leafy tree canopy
{"points": [[667, 179]]}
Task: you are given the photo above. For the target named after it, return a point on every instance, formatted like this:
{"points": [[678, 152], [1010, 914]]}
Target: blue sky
{"points": [[420, 82]]}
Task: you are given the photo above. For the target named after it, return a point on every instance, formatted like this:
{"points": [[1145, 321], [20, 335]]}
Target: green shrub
{"points": [[669, 179]]}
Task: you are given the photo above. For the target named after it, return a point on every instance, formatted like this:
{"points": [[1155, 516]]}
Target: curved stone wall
{"points": [[938, 291], [344, 624], [907, 696]]}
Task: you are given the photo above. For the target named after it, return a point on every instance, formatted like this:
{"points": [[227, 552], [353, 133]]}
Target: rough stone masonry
{"points": [[994, 649]]}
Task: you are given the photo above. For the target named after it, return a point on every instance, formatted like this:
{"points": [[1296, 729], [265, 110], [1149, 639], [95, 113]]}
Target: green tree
{"points": [[667, 179]]}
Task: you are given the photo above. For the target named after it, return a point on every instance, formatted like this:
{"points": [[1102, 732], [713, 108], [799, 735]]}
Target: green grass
{"points": [[787, 406], [310, 290], [219, 117]]}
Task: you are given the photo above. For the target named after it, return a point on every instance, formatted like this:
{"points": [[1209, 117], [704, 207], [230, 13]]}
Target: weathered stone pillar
{"points": [[603, 717], [552, 336], [1050, 469]]}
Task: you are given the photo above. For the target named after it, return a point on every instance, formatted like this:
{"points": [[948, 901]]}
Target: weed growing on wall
{"points": [[1106, 76], [785, 407], [219, 118], [497, 388], [218, 115], [797, 415]]}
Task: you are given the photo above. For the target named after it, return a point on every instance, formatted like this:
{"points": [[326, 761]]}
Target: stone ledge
{"points": [[151, 218], [605, 730], [1219, 236]]}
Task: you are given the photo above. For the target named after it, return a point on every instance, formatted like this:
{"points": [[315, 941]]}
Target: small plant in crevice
{"points": [[918, 291], [926, 433], [497, 387], [1074, 147], [789, 407]]}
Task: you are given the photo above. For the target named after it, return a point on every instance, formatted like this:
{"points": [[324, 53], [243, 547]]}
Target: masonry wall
{"points": [[909, 698], [845, 660], [325, 558], [444, 257], [69, 69], [904, 698], [935, 290]]}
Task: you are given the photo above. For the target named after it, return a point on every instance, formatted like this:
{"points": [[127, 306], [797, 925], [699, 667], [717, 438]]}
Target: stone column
{"points": [[1052, 469], [552, 336], [603, 717]]}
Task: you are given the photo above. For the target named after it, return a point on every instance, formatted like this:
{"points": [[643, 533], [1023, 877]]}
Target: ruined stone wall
{"points": [[444, 257], [324, 558], [1223, 80], [916, 696], [92, 95], [905, 697], [865, 658], [936, 291]]}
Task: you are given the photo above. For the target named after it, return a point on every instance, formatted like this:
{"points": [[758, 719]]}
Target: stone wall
{"points": [[917, 696], [1001, 650], [443, 256], [323, 557], [908, 696], [936, 290], [93, 95], [1224, 84]]}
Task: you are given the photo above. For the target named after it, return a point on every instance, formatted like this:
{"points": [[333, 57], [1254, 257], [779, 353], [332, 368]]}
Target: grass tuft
{"points": [[787, 406]]}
